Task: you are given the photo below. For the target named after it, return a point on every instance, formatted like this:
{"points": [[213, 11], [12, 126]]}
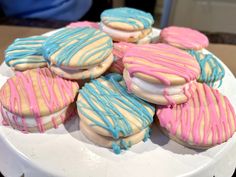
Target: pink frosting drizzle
{"points": [[4, 120], [25, 83], [169, 99], [184, 38], [34, 107], [84, 24], [164, 56], [119, 50], [54, 122], [218, 125]]}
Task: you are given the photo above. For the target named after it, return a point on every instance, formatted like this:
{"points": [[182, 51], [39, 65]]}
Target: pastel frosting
{"points": [[77, 47], [125, 18], [211, 69], [105, 104], [26, 51], [36, 93], [161, 63], [184, 38], [207, 119], [84, 24], [120, 48], [118, 51]]}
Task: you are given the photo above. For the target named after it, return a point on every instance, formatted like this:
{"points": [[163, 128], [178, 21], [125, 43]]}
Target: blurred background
{"points": [[205, 15], [213, 17]]}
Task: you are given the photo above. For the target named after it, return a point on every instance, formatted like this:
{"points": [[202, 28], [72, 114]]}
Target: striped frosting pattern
{"points": [[25, 51], [77, 47], [133, 17], [211, 69], [184, 38], [119, 51], [107, 104], [205, 120], [160, 61], [37, 92]]}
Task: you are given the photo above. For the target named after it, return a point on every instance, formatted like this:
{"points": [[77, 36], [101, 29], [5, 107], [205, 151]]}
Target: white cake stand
{"points": [[66, 152]]}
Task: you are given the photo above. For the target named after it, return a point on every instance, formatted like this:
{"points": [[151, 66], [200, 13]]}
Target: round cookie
{"points": [[110, 112], [26, 53], [126, 24], [83, 24], [207, 119], [160, 74], [211, 69], [79, 53], [183, 38], [36, 100]]}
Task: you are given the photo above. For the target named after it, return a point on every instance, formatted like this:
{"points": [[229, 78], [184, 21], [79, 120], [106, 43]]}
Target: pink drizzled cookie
{"points": [[36, 100], [119, 50], [207, 119], [184, 38], [160, 74], [84, 24]]}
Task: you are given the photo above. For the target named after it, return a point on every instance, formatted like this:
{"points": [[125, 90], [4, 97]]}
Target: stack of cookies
{"points": [[123, 83]]}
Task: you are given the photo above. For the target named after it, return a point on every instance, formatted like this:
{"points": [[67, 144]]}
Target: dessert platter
{"points": [[116, 98]]}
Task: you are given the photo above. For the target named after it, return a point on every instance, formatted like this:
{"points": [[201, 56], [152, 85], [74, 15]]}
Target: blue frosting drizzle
{"points": [[109, 99], [147, 134], [68, 41], [128, 15], [217, 70], [116, 148], [122, 144], [25, 50]]}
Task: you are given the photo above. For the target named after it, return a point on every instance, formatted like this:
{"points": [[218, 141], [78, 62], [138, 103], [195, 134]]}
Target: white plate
{"points": [[66, 152]]}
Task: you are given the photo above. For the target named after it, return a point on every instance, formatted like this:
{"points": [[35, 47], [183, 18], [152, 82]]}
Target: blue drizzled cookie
{"points": [[110, 116], [126, 24], [79, 53], [211, 69], [25, 53]]}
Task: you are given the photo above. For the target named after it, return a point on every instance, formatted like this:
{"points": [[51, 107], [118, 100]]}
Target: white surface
{"points": [[66, 152]]}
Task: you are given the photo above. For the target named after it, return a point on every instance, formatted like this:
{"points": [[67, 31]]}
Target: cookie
{"points": [[36, 100], [115, 144], [151, 38], [207, 119], [160, 74], [212, 71], [79, 53], [126, 24], [111, 117], [193, 41], [119, 50], [184, 38], [83, 24], [26, 53]]}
